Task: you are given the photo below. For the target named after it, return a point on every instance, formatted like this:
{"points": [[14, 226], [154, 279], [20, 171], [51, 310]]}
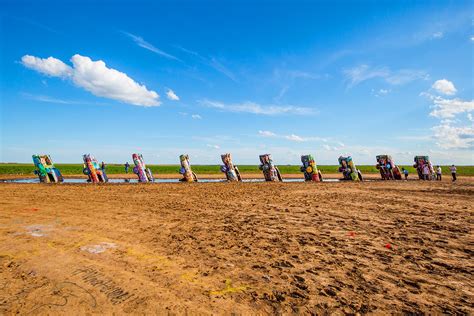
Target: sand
{"points": [[243, 248]]}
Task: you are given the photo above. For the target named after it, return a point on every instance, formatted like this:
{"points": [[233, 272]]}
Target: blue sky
{"points": [[247, 77]]}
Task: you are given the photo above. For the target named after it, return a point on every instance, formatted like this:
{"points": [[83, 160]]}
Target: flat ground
{"points": [[249, 248]]}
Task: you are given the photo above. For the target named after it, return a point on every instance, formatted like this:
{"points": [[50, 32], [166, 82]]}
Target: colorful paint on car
{"points": [[349, 169], [185, 170], [230, 170], [387, 167], [93, 170], [45, 169], [270, 171], [310, 169], [420, 162], [144, 174]]}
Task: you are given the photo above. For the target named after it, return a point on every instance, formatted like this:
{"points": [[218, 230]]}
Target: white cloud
{"points": [[446, 134], [171, 95], [213, 146], [49, 66], [449, 108], [295, 138], [196, 116], [451, 137], [472, 38], [97, 78], [469, 117], [362, 73], [255, 108], [266, 133], [404, 76], [444, 86], [381, 92], [438, 35], [144, 44]]}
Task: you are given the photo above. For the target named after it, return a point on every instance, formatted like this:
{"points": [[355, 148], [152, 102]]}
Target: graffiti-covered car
{"points": [[348, 169], [144, 174], [387, 167], [424, 168], [230, 170], [93, 170], [45, 169], [186, 171], [310, 169], [270, 171]]}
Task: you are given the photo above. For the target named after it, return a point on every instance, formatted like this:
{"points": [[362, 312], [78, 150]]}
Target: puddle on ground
{"points": [[82, 180]]}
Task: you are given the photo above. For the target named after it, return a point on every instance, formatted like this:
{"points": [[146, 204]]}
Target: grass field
{"points": [[68, 169]]}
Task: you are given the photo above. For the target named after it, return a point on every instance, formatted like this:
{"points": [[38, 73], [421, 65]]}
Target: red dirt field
{"points": [[244, 248]]}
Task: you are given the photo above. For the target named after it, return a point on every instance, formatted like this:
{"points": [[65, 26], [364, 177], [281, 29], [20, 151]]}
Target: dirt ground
{"points": [[243, 248]]}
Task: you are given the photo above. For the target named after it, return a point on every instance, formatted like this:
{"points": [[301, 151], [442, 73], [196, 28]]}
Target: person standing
{"points": [[426, 172], [127, 166], [439, 172], [453, 172], [102, 166], [405, 172]]}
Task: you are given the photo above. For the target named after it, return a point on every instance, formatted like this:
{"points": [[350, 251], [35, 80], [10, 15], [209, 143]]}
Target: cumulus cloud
{"points": [[452, 137], [97, 78], [449, 134], [444, 86], [49, 66], [449, 108], [361, 73], [255, 108], [171, 95]]}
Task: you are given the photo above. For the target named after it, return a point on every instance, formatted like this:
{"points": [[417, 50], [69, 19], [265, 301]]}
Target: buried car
{"points": [[45, 169], [231, 171], [144, 174], [92, 169], [348, 169], [387, 167], [270, 171], [424, 168], [310, 169], [185, 170]]}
